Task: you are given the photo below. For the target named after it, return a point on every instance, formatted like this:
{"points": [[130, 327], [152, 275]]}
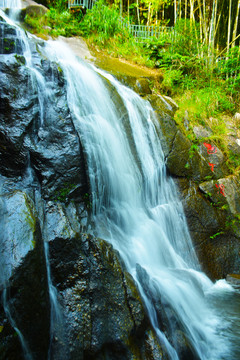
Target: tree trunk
{"points": [[138, 15], [212, 32], [229, 24], [236, 24], [192, 19], [175, 11], [180, 9], [149, 14], [121, 7], [201, 24]]}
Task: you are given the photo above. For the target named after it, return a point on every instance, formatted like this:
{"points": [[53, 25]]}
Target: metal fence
{"points": [[88, 4], [145, 32]]}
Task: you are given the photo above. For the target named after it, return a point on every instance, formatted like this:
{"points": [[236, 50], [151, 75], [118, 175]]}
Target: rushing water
{"points": [[13, 5], [136, 207], [135, 204]]}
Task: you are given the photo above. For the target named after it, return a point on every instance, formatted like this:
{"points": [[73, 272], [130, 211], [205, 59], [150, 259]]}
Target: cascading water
{"points": [[13, 5], [135, 204]]}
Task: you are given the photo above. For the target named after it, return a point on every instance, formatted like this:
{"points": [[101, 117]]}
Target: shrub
{"points": [[102, 20]]}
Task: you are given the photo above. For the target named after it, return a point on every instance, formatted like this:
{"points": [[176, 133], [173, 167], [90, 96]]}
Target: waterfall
{"points": [[135, 205], [13, 5]]}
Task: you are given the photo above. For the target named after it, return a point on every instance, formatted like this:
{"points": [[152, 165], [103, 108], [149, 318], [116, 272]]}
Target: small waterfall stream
{"points": [[135, 205]]}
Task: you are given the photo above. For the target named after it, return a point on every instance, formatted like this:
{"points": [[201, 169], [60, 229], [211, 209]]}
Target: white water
{"points": [[135, 204], [8, 312], [13, 5]]}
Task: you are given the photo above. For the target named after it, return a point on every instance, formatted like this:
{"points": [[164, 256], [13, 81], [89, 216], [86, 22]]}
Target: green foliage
{"points": [[233, 160], [60, 5], [233, 222], [172, 79], [186, 42], [194, 148], [55, 23], [87, 200], [102, 20], [230, 64], [228, 68], [217, 234], [205, 103], [62, 194]]}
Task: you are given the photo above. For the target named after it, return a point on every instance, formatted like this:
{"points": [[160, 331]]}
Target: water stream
{"points": [[135, 204], [135, 207]]}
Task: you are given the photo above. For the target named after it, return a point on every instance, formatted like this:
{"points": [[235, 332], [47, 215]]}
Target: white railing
{"points": [[88, 4], [146, 32]]}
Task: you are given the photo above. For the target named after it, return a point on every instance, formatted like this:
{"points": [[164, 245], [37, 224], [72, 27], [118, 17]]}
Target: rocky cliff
{"points": [[209, 192]]}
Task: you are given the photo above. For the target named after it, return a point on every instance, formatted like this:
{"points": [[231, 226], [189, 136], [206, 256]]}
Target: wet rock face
{"points": [[99, 300], [25, 307], [9, 43], [36, 125], [18, 105], [210, 195], [103, 314], [19, 223]]}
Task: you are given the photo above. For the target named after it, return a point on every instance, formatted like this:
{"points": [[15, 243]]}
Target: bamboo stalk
{"points": [[175, 11], [229, 24], [236, 23]]}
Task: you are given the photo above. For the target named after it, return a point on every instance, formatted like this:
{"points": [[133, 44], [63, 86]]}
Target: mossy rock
{"points": [[34, 11]]}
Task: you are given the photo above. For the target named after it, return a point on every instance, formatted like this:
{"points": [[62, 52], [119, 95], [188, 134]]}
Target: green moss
{"points": [[236, 276], [216, 235], [20, 59], [62, 194]]}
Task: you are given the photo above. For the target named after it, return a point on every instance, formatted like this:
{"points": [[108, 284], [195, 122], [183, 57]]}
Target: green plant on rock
{"points": [[172, 79], [216, 234], [87, 200], [233, 222], [55, 23], [194, 148], [62, 194]]}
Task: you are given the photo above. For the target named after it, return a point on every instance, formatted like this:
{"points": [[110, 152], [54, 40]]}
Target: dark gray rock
{"points": [[18, 110], [9, 42], [102, 308], [24, 287], [18, 223], [35, 119]]}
